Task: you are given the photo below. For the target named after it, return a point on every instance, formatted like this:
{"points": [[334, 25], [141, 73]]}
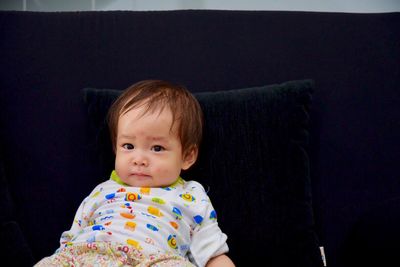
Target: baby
{"points": [[146, 214]]}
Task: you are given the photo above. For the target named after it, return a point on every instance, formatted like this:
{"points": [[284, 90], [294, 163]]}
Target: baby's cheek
{"points": [[161, 170], [166, 173]]}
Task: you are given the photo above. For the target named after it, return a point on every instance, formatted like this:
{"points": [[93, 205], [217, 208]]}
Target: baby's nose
{"points": [[140, 160]]}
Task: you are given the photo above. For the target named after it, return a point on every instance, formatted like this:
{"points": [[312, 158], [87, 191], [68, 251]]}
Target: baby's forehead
{"points": [[149, 104], [144, 109], [137, 112]]}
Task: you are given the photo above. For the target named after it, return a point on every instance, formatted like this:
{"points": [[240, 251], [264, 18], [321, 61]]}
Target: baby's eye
{"points": [[157, 148], [128, 146]]}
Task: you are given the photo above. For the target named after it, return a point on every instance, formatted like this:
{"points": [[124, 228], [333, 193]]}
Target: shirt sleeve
{"points": [[208, 240], [77, 226], [82, 218], [208, 243]]}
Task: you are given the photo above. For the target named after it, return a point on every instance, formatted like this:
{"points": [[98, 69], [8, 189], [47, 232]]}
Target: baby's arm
{"points": [[208, 240], [77, 225], [82, 217], [220, 261]]}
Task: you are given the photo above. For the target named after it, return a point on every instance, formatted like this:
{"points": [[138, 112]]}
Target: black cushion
{"points": [[254, 162]]}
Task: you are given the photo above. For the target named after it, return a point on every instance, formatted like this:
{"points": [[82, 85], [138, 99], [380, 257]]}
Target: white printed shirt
{"points": [[178, 219]]}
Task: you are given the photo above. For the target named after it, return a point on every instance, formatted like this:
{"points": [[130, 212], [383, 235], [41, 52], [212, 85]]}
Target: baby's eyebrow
{"points": [[155, 138], [127, 136], [158, 138]]}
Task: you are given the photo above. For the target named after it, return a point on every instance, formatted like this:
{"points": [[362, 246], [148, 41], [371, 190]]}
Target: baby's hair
{"points": [[158, 95]]}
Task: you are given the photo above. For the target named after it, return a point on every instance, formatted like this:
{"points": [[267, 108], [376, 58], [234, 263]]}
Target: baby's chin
{"points": [[144, 181], [134, 181], [140, 182]]}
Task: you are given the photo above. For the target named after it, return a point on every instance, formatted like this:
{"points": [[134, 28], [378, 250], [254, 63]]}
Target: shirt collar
{"points": [[114, 176]]}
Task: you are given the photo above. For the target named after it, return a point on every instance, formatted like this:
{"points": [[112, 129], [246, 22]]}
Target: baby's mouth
{"points": [[140, 175]]}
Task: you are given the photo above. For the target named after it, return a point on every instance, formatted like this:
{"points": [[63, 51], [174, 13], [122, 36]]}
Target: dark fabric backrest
{"points": [[47, 58], [253, 163]]}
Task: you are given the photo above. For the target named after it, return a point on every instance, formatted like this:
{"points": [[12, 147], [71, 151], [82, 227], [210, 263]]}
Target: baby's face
{"points": [[148, 151]]}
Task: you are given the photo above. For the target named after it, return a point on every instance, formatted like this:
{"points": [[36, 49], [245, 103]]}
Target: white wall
{"points": [[358, 6]]}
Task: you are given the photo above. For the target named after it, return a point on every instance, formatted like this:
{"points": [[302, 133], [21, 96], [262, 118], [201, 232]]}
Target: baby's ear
{"points": [[190, 157]]}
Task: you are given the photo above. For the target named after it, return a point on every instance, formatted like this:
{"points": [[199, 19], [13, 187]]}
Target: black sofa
{"points": [[307, 159]]}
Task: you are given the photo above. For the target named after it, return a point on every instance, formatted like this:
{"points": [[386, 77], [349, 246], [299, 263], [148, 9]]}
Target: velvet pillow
{"points": [[254, 164]]}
